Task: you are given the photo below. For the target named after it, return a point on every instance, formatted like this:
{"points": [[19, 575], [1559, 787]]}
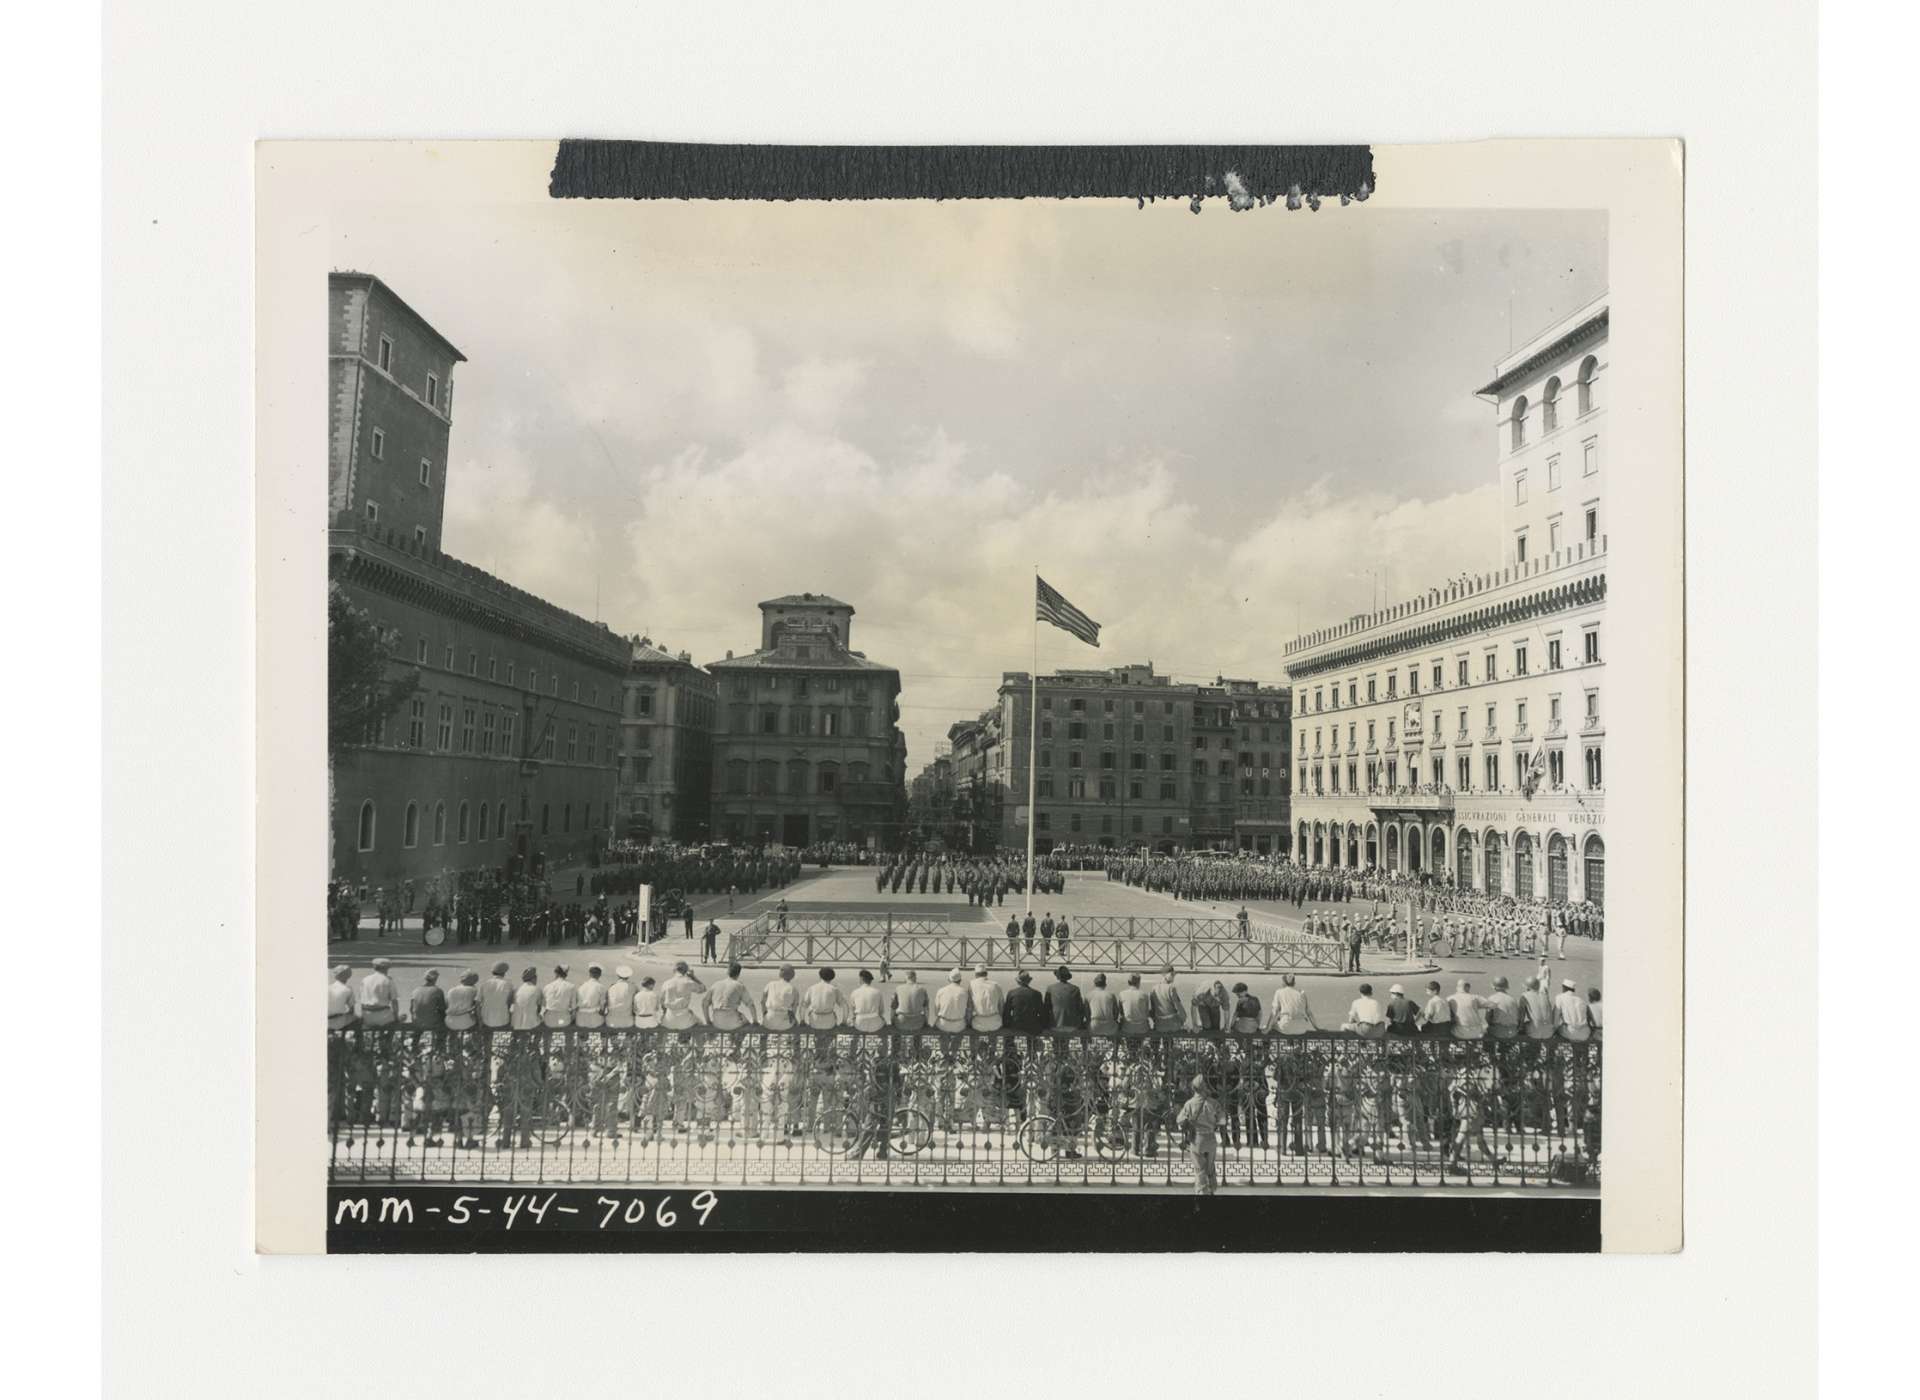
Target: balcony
{"points": [[1424, 798]]}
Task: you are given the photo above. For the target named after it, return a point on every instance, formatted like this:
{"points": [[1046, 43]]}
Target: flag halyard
{"points": [[1050, 606]]}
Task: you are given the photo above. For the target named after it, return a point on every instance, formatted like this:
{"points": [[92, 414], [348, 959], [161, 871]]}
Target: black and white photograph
{"points": [[969, 699]]}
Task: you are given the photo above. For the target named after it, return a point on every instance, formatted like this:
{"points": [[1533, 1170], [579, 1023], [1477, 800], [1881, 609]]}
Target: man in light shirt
{"points": [[496, 1000], [866, 1007], [340, 999], [463, 1003], [1365, 1018], [952, 1005], [1136, 1008], [620, 999], [1536, 1010], [824, 1004], [910, 1005], [558, 999], [680, 998], [1469, 1013], [646, 1005], [590, 1005], [376, 996], [730, 1004], [987, 999], [1291, 1013], [525, 1015], [1570, 1013], [780, 1001]]}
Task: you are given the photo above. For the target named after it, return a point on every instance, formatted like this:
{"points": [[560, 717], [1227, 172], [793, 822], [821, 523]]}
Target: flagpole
{"points": [[1033, 733]]}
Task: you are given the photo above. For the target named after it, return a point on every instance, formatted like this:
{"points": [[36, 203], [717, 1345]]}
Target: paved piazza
{"points": [[851, 891]]}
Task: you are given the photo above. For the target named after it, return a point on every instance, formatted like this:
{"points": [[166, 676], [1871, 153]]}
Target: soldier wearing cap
{"points": [[620, 999], [340, 1004], [1199, 1121], [558, 1000], [496, 999], [730, 1004], [376, 996], [953, 1005], [780, 1001], [526, 1001], [590, 1005], [463, 1002]]}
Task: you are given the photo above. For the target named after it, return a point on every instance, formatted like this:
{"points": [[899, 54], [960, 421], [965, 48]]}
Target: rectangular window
{"points": [[1463, 721], [1166, 734], [1167, 791], [466, 729], [1592, 643], [1370, 690], [1520, 548], [1556, 767], [506, 734], [1553, 473], [1553, 653], [433, 391], [1490, 720], [1520, 714], [373, 511], [1520, 659], [486, 732], [1439, 673], [590, 744], [1553, 536], [386, 354], [1493, 666], [1073, 758], [1593, 704], [1393, 684], [473, 663], [1595, 776], [420, 535], [1466, 773], [420, 651], [1593, 526], [573, 742], [1413, 680], [417, 723], [548, 740], [1463, 671], [1493, 772], [1519, 488], [1589, 458], [379, 445], [446, 725]]}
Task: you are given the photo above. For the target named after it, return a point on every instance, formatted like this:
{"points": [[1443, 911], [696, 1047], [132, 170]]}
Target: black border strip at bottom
{"points": [[402, 1219]]}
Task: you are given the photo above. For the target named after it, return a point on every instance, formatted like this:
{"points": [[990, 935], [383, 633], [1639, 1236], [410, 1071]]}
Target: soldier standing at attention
{"points": [[1013, 938], [1028, 928], [709, 942], [1200, 1123]]}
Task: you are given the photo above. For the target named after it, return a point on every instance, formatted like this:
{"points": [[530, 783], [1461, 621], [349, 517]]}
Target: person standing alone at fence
{"points": [[1200, 1124], [710, 943]]}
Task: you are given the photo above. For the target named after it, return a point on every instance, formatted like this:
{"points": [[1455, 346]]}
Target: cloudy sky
{"points": [[1206, 430]]}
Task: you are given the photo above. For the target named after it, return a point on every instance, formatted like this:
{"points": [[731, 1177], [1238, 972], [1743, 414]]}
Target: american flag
{"points": [[1049, 606]]}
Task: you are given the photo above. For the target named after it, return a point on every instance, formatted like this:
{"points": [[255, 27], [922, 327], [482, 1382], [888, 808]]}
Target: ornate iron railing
{"points": [[997, 1109], [1090, 943]]}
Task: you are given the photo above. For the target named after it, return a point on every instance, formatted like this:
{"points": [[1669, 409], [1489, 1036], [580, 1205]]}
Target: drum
{"points": [[435, 936]]}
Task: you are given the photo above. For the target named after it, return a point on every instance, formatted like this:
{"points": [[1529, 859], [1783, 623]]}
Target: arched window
{"points": [[410, 829], [481, 834], [1496, 864], [1596, 872], [1550, 406], [500, 818], [461, 822], [1589, 373], [1557, 868], [439, 823], [366, 825], [1519, 421]]}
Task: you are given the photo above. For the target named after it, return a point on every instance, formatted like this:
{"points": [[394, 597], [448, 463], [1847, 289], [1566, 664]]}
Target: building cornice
{"points": [[1563, 597], [1559, 348]]}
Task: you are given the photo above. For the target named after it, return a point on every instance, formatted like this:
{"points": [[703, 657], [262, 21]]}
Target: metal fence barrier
{"points": [[753, 1107], [1116, 942]]}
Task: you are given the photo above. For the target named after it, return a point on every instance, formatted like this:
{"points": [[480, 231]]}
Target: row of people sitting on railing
{"points": [[980, 1004]]}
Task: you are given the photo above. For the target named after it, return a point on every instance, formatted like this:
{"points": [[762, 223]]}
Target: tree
{"points": [[363, 688]]}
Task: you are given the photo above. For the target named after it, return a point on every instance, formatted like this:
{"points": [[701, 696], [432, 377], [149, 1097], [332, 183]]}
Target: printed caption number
{"points": [[634, 1212]]}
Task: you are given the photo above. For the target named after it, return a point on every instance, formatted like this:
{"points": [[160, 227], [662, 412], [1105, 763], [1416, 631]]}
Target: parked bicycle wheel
{"points": [[912, 1131], [1039, 1139]]}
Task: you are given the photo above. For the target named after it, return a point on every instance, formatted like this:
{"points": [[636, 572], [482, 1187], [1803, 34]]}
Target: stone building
{"points": [[807, 741], [1462, 733], [506, 750], [666, 754]]}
